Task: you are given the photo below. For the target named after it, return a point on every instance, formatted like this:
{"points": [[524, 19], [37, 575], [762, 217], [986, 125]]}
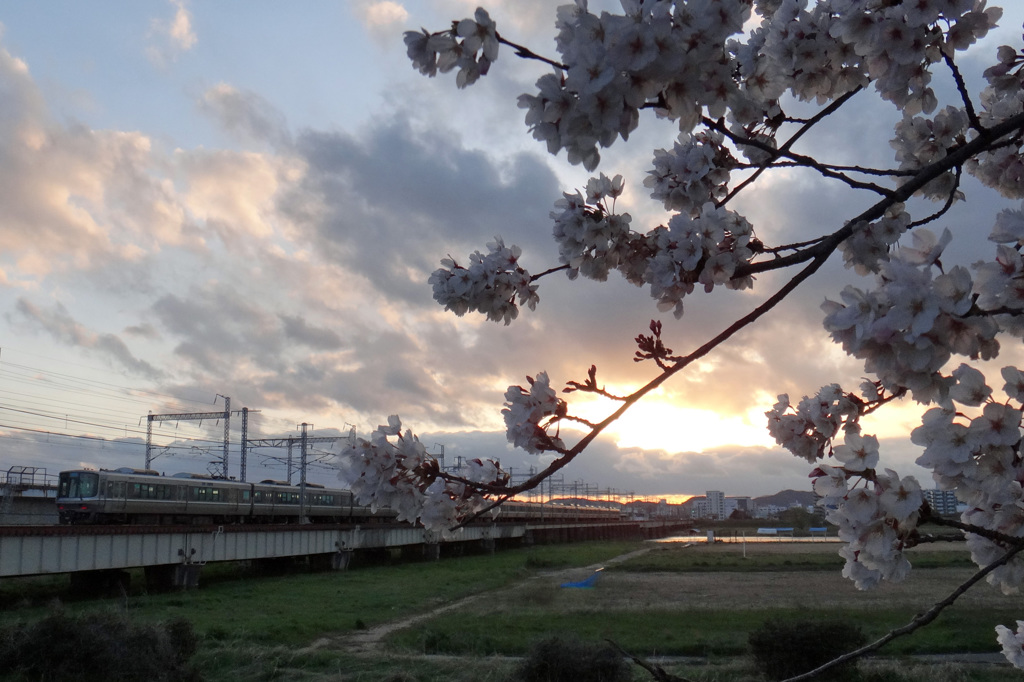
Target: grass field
{"points": [[669, 601]]}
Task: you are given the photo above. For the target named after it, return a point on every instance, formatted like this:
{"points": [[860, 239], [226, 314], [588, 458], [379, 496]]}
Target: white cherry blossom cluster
{"points": [[876, 512], [689, 62], [808, 429], [591, 237], [705, 250], [1012, 642], [868, 246], [529, 413], [694, 172], [1004, 97], [393, 470], [471, 45], [920, 141], [979, 457], [908, 327], [491, 284], [670, 54]]}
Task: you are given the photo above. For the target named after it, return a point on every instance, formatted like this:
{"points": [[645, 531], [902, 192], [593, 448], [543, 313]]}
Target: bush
{"points": [[98, 647], [785, 649], [558, 659]]}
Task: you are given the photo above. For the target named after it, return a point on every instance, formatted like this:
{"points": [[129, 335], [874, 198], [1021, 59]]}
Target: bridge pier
{"points": [[172, 577], [104, 582], [341, 559]]}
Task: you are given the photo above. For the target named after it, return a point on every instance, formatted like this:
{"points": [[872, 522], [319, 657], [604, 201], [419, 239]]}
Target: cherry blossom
{"points": [[728, 74]]}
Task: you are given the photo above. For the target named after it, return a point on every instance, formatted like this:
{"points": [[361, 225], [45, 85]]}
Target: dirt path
{"points": [[363, 642]]}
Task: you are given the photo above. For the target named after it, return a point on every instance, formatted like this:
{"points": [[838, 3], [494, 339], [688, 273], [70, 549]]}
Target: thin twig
{"points": [[950, 200], [961, 87], [527, 53], [656, 671], [806, 161], [840, 101], [986, 140], [918, 621]]}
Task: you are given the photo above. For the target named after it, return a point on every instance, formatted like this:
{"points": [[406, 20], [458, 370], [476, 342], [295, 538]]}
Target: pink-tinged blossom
{"points": [[691, 63], [1012, 642], [858, 453], [970, 387], [529, 412], [901, 497]]}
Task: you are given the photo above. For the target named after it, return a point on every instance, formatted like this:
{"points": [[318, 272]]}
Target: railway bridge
{"points": [[173, 556]]}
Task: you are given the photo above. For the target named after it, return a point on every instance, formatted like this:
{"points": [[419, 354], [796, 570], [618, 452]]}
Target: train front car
{"points": [[78, 497]]}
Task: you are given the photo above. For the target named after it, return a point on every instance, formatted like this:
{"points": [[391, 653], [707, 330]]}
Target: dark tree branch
{"points": [[950, 200], [527, 53], [559, 268], [881, 172], [961, 87], [988, 139], [831, 108], [656, 671], [919, 620], [993, 535]]}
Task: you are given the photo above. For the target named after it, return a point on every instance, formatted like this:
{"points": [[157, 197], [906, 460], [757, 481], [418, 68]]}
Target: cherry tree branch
{"points": [[950, 200], [821, 115], [918, 621], [527, 53], [806, 161], [961, 87], [987, 139], [994, 535], [882, 172]]}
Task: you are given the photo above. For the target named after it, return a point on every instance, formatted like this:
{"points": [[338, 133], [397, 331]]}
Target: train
{"points": [[141, 496]]}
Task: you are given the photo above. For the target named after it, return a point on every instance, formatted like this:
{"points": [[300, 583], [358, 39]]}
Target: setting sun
{"points": [[660, 425]]}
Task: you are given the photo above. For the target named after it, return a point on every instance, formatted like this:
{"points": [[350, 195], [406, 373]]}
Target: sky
{"points": [[235, 199]]}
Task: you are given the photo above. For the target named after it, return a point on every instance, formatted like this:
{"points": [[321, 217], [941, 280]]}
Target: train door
{"points": [[117, 497]]}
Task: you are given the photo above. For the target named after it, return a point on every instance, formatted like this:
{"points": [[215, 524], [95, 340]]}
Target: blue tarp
{"points": [[589, 582]]}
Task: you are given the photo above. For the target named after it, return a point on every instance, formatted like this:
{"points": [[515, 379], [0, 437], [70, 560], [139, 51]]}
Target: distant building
{"points": [[942, 502], [716, 504], [744, 505]]}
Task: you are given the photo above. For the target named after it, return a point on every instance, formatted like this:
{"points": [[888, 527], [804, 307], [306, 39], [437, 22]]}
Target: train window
{"points": [[110, 488], [215, 494], [136, 490], [79, 484], [245, 496], [119, 489]]}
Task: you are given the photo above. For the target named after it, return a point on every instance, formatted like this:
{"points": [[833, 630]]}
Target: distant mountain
{"points": [[787, 498]]}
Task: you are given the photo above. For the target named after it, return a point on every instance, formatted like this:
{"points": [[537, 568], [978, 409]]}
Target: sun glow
{"points": [[665, 426]]}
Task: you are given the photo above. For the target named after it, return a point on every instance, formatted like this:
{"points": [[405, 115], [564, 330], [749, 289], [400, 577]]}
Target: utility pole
{"points": [[302, 478], [227, 434], [245, 437], [194, 416]]}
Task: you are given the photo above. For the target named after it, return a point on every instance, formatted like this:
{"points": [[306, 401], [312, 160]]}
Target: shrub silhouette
{"points": [[560, 659], [784, 649], [98, 647]]}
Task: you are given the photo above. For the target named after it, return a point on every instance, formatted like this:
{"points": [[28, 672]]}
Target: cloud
{"points": [[172, 36], [382, 18], [245, 114], [59, 324], [391, 201]]}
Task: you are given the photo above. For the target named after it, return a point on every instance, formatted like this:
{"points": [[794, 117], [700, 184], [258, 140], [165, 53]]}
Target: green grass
{"points": [[760, 557], [293, 610], [260, 628], [652, 632]]}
